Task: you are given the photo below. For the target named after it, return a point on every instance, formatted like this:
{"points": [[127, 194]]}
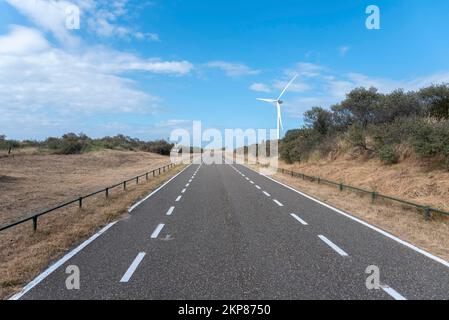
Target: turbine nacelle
{"points": [[278, 102]]}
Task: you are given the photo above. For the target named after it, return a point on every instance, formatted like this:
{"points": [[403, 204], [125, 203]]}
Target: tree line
{"points": [[71, 143], [376, 124]]}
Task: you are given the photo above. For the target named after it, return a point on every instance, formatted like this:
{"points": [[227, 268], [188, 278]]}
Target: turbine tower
{"points": [[278, 103]]}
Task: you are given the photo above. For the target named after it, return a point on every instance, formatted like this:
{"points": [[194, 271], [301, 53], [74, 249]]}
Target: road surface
{"points": [[227, 232]]}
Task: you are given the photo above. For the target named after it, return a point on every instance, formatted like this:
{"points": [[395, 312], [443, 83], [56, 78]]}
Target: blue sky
{"points": [[144, 68]]}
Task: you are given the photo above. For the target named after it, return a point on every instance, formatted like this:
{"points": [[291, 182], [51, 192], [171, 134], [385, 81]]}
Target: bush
{"points": [[388, 154], [356, 137], [431, 139]]}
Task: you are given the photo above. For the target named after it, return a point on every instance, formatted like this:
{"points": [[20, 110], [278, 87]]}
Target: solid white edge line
{"points": [[59, 263], [128, 274], [156, 231], [170, 211], [333, 246], [299, 219], [178, 198], [155, 191], [278, 203], [393, 293], [366, 224]]}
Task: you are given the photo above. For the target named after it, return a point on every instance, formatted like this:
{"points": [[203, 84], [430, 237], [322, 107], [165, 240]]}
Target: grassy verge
{"points": [[24, 254]]}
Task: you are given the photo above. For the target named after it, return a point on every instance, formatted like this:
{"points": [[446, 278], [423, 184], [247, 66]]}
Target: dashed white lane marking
{"points": [[183, 190], [393, 293], [247, 178], [190, 180], [59, 263], [267, 194], [155, 191], [128, 274], [178, 198], [333, 246], [299, 219], [156, 231], [170, 211], [258, 187], [252, 182], [278, 203], [187, 185]]}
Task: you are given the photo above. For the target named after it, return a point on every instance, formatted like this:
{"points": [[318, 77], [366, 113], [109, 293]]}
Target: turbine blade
{"points": [[267, 100], [288, 85]]}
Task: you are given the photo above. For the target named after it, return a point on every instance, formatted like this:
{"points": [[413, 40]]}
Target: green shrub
{"points": [[356, 137], [431, 139], [388, 154]]}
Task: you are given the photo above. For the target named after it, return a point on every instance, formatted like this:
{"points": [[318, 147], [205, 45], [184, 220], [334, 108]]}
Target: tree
{"points": [[360, 106], [319, 119], [436, 98], [398, 104]]}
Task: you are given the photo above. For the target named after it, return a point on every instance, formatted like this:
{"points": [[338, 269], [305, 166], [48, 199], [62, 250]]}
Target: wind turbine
{"points": [[278, 103]]}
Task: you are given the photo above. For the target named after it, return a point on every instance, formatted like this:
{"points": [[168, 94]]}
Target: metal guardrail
{"points": [[34, 216], [427, 210]]}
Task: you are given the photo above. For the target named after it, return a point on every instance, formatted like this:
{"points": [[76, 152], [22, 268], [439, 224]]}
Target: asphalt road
{"points": [[227, 232]]}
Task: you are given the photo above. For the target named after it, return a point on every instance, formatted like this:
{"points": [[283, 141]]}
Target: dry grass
{"points": [[410, 180], [23, 254], [30, 181]]}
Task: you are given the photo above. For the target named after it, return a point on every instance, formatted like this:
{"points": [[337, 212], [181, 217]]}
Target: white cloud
{"points": [[260, 87], [232, 69], [22, 40], [101, 17], [324, 88], [305, 70], [173, 123], [49, 15], [49, 81], [296, 86]]}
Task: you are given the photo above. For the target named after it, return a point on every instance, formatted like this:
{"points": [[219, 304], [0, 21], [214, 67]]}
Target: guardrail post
{"points": [[107, 192], [137, 180], [341, 186], [373, 196], [154, 173], [80, 200], [319, 180], [427, 213], [124, 185], [34, 224], [146, 176], [159, 171]]}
